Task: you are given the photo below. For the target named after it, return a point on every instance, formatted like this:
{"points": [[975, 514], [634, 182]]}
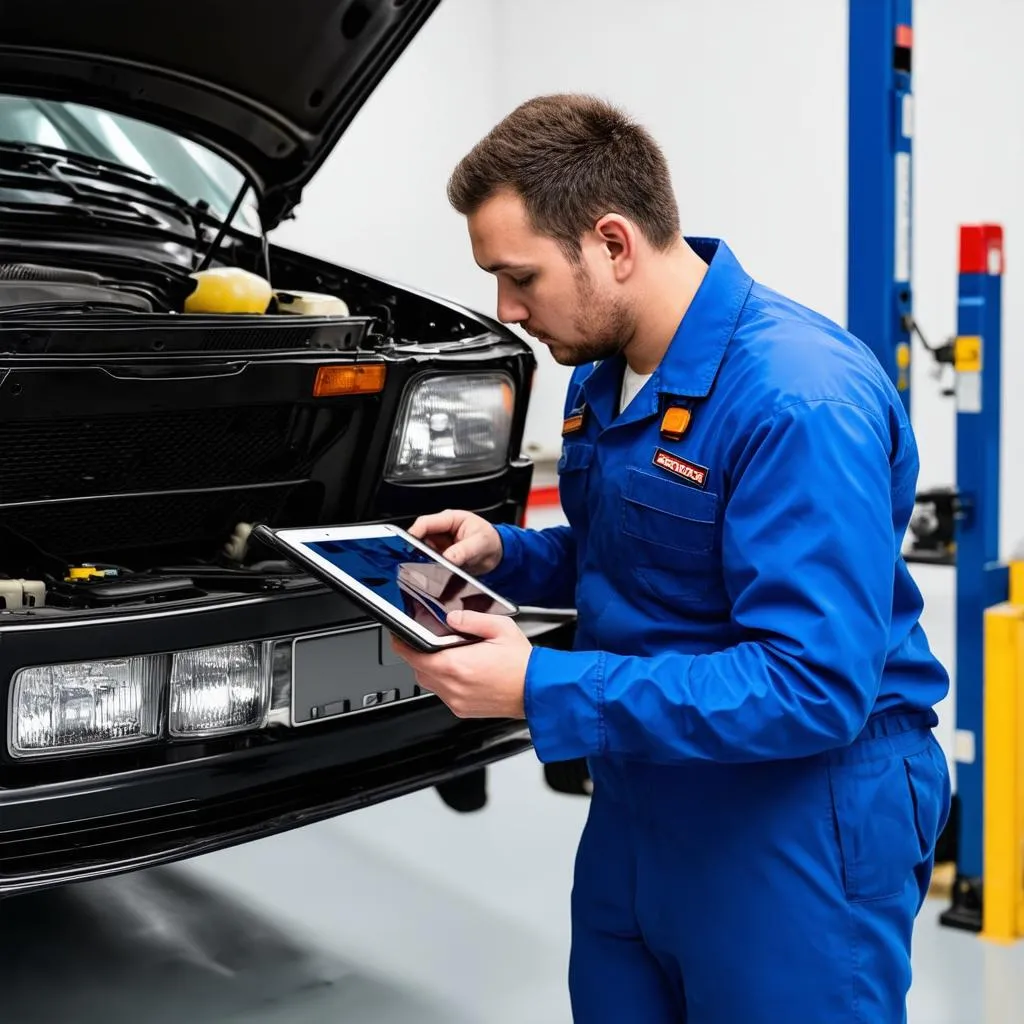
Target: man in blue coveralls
{"points": [[750, 681]]}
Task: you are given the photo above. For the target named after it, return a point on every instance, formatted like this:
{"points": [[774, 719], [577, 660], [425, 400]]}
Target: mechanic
{"points": [[750, 680]]}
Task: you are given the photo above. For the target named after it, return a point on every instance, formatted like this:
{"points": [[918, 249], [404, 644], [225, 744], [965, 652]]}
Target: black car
{"points": [[168, 378]]}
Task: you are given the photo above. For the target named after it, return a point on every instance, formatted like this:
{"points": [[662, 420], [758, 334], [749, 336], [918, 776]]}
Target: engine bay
{"points": [[51, 309], [65, 586]]}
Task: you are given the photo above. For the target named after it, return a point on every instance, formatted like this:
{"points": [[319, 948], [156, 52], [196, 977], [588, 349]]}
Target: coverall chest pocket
{"points": [[573, 469], [672, 530]]}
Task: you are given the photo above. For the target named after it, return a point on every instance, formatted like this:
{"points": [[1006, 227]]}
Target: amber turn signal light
{"points": [[362, 379]]}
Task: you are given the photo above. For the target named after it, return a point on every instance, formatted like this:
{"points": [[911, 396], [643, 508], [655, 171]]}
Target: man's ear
{"points": [[619, 239]]}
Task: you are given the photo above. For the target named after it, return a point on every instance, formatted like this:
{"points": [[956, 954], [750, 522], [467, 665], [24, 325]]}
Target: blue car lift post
{"points": [[981, 581], [880, 304], [879, 296]]}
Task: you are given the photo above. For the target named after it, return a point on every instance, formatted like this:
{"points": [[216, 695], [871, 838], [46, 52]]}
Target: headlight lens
{"points": [[452, 426], [86, 705], [219, 689]]}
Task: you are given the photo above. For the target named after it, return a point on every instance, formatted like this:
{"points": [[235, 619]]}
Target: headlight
{"points": [[68, 708], [86, 705], [453, 426], [219, 689]]}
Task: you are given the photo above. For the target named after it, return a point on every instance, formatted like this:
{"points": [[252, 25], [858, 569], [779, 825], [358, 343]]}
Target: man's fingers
{"points": [[457, 553], [424, 666], [437, 522], [467, 550], [487, 627], [402, 649]]}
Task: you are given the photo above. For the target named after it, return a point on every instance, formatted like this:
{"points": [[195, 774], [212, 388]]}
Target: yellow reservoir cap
{"points": [[228, 290], [84, 572]]}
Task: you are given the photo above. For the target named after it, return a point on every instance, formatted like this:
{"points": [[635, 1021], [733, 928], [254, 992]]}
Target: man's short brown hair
{"points": [[571, 159]]}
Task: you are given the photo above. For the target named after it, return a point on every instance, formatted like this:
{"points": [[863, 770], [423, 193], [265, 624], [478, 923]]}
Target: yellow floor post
{"points": [[1004, 766]]}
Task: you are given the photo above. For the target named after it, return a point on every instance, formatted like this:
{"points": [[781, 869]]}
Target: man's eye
{"points": [[522, 282]]}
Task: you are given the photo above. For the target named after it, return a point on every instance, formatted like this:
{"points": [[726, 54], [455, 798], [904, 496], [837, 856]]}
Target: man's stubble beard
{"points": [[606, 325]]}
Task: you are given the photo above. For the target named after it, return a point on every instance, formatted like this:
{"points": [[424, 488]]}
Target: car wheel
{"points": [[465, 793], [570, 777]]}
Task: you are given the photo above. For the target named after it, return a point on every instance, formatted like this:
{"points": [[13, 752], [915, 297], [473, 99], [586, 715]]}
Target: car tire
{"points": [[465, 793], [569, 777]]}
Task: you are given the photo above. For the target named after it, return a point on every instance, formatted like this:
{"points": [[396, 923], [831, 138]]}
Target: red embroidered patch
{"points": [[688, 471]]}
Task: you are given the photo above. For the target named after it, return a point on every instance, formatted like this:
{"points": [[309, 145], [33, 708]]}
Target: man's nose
{"points": [[510, 309]]}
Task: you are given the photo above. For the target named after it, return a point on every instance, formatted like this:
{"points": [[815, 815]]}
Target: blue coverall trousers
{"points": [[759, 893]]}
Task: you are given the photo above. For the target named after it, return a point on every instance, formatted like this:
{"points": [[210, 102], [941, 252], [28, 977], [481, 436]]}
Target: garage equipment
{"points": [[957, 526]]}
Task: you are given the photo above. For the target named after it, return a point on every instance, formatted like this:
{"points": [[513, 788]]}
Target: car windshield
{"points": [[188, 169]]}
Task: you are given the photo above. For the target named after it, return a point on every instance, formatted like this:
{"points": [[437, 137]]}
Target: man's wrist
{"points": [[507, 558]]}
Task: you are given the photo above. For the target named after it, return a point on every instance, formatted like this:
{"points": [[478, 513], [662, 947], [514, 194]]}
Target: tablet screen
{"points": [[407, 578]]}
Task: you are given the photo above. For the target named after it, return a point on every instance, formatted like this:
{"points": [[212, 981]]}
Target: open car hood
{"points": [[269, 84]]}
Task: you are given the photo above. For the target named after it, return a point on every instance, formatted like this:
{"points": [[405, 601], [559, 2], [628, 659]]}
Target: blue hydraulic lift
{"points": [[879, 297], [964, 520]]}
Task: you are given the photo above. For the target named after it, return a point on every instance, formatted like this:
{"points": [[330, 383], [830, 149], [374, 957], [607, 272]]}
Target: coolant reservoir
{"points": [[310, 304], [228, 290], [22, 594]]}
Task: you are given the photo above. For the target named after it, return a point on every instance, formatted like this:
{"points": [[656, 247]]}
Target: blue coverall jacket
{"points": [[748, 641]]}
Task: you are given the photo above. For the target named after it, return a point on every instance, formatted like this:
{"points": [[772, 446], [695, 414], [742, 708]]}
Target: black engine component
{"points": [[38, 272], [933, 526], [131, 589], [28, 287]]}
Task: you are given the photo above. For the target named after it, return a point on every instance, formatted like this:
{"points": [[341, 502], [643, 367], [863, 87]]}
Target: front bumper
{"points": [[58, 833], [85, 816]]}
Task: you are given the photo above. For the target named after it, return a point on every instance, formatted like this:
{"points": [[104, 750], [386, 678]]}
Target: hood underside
{"points": [[269, 84]]}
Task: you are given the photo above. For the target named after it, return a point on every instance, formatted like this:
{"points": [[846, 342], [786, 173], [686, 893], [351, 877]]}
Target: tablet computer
{"points": [[401, 582]]}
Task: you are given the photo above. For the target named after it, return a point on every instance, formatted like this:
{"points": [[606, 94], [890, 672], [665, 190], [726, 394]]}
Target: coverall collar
{"points": [[690, 363]]}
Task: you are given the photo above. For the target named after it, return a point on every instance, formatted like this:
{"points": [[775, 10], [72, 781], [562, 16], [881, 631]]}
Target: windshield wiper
{"points": [[29, 158], [90, 183]]}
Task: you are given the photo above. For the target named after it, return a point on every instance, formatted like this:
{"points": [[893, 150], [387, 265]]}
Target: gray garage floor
{"points": [[398, 914], [406, 913], [401, 913]]}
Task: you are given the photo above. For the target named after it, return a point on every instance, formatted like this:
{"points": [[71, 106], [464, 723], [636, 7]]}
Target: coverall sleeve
{"points": [[809, 549], [538, 567]]}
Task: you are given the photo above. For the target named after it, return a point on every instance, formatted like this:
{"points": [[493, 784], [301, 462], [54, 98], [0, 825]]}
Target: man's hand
{"points": [[483, 680], [466, 540]]}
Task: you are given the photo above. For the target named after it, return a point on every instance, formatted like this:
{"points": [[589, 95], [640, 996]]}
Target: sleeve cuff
{"points": [[564, 703], [503, 578]]}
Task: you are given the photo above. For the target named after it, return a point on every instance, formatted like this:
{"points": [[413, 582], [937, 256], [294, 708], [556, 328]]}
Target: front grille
{"points": [[257, 339], [170, 450], [78, 529]]}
